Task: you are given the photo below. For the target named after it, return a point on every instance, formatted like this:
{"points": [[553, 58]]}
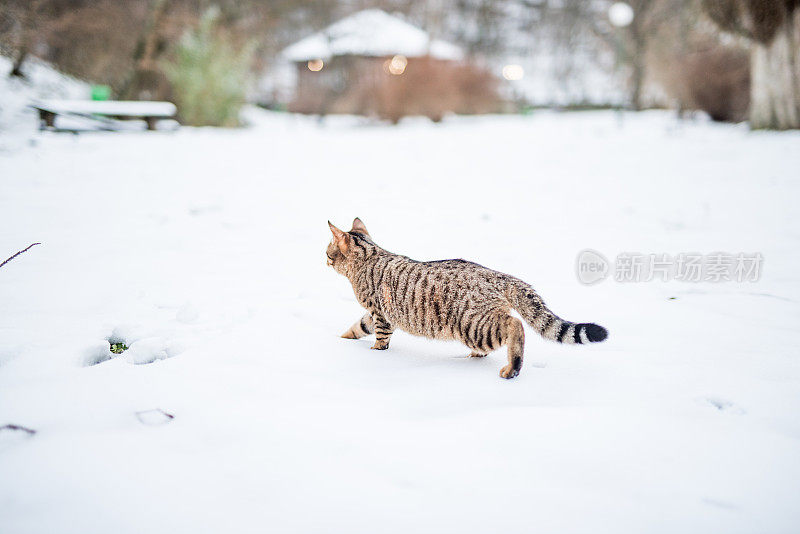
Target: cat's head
{"points": [[347, 249]]}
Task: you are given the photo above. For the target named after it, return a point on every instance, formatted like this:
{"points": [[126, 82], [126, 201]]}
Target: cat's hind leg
{"points": [[513, 337], [362, 327]]}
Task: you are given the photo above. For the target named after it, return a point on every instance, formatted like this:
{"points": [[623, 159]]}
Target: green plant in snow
{"points": [[118, 348], [209, 75]]}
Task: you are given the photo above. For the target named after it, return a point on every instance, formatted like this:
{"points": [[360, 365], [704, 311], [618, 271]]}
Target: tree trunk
{"points": [[27, 22], [16, 70], [638, 45], [146, 52], [775, 79], [637, 81]]}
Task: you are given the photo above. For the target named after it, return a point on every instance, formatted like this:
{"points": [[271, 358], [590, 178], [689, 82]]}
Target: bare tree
{"points": [[634, 41], [697, 67], [773, 28], [124, 43], [146, 73], [643, 25], [25, 20], [89, 39]]}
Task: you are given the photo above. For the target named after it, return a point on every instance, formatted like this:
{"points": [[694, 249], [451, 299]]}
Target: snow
{"points": [[154, 417], [371, 32], [204, 251], [115, 108], [17, 119]]}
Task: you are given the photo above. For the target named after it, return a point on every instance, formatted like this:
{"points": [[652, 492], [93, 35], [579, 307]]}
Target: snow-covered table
{"points": [[150, 112]]}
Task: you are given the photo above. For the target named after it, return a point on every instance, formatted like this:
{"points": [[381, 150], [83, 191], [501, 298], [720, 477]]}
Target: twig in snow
{"points": [[30, 431], [154, 417], [20, 252]]}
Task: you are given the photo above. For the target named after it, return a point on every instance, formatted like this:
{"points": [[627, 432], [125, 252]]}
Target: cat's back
{"points": [[443, 271], [452, 265], [466, 271], [431, 297]]}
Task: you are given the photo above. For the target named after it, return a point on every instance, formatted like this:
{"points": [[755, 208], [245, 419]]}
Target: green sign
{"points": [[101, 92]]}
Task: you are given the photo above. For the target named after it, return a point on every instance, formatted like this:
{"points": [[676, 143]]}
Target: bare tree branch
{"points": [[727, 14], [20, 252]]}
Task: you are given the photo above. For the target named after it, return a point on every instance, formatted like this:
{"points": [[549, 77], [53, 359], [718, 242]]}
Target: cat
{"points": [[445, 299]]}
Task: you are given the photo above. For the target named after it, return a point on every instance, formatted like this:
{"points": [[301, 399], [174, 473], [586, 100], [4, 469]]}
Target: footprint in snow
{"points": [[154, 417], [724, 405], [133, 346], [147, 350], [97, 353]]}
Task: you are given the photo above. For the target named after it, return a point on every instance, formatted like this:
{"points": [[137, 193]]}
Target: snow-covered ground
{"points": [[203, 250], [17, 120]]}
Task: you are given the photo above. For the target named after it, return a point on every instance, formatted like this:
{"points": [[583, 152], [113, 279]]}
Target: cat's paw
{"points": [[349, 335], [380, 346], [474, 354], [508, 372]]}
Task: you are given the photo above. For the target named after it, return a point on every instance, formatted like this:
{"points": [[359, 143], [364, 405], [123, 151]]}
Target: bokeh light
{"points": [[620, 14], [396, 65], [513, 72]]}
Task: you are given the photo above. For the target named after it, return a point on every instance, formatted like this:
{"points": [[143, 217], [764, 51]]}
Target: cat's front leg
{"points": [[383, 331], [362, 327]]}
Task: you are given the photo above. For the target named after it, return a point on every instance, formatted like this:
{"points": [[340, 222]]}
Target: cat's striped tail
{"points": [[550, 326]]}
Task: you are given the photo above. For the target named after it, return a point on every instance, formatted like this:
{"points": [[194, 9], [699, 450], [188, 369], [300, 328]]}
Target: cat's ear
{"points": [[341, 239], [359, 226]]}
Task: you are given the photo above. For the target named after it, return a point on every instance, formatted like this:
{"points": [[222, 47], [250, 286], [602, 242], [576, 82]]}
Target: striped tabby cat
{"points": [[447, 299]]}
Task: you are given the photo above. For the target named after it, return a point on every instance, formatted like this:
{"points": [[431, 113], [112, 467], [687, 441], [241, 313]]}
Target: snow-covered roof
{"points": [[371, 32]]}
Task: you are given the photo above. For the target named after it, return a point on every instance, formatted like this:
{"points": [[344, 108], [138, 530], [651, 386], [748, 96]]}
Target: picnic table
{"points": [[106, 112]]}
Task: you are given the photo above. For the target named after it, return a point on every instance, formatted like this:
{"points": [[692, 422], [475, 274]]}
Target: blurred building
{"points": [[376, 64]]}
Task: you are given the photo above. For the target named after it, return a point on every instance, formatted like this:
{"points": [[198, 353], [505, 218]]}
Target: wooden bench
{"points": [[106, 112]]}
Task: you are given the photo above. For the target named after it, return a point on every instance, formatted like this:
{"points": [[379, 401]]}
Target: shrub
{"points": [[209, 76], [715, 80], [718, 82]]}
